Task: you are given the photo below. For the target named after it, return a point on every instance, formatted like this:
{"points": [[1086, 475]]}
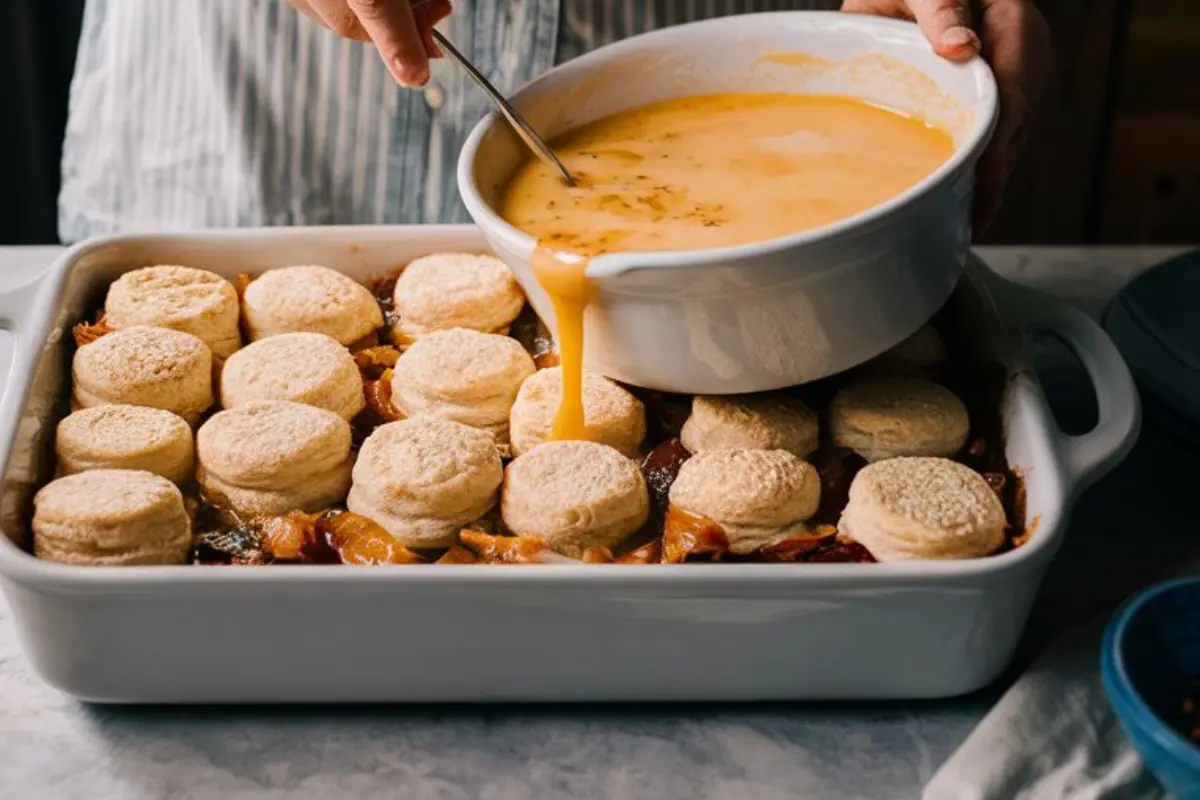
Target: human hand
{"points": [[401, 30], [1014, 39]]}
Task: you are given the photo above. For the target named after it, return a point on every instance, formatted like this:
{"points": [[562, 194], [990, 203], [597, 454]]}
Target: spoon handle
{"points": [[523, 129]]}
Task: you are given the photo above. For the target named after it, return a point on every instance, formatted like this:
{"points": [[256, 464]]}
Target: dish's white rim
{"points": [[21, 567], [975, 140]]}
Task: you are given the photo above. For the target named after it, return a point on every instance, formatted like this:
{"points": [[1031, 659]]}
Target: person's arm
{"points": [[1013, 37], [399, 29]]}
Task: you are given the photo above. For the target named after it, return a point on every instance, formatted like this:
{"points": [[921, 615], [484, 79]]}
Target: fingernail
{"points": [[958, 38], [409, 77]]}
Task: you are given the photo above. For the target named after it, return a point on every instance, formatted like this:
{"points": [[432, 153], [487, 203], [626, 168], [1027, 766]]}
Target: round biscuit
{"points": [[574, 495], [257, 456], [923, 508], [755, 496], [462, 375], [111, 517], [423, 480], [767, 421], [145, 366], [886, 416], [309, 298], [456, 290], [612, 416], [308, 368], [126, 437], [193, 301]]}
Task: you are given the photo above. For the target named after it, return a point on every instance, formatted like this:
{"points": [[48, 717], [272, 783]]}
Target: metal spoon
{"points": [[523, 128]]}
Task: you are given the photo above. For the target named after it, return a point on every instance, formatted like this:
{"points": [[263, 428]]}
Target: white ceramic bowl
{"points": [[781, 312]]}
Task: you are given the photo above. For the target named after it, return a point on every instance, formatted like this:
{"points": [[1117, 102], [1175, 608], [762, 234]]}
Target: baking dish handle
{"points": [[1088, 456]]}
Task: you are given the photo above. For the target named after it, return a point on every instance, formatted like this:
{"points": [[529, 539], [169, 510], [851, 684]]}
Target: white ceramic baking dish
{"points": [[533, 633], [774, 313]]}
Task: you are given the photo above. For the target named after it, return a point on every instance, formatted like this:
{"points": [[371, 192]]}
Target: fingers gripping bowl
{"points": [[546, 632]]}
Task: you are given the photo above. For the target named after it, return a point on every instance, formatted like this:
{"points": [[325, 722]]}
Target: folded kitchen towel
{"points": [[1052, 736]]}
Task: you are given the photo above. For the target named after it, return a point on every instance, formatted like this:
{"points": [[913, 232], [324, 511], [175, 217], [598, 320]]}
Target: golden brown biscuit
{"points": [[272, 457], [767, 421], [462, 375], [922, 351], [612, 415], [111, 517], [145, 366], [923, 508], [888, 416], [193, 301], [757, 497], [309, 298], [424, 480], [126, 437], [574, 495], [309, 368], [456, 290]]}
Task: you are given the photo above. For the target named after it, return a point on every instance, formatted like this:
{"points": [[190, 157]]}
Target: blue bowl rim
{"points": [[1122, 693]]}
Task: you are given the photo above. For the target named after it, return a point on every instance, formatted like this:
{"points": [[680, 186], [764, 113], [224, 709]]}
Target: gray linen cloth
{"points": [[1052, 736]]}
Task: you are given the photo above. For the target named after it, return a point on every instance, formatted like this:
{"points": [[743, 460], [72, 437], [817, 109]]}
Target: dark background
{"points": [[1116, 160]]}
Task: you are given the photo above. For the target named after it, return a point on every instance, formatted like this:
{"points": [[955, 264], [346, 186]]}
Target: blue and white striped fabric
{"points": [[208, 113]]}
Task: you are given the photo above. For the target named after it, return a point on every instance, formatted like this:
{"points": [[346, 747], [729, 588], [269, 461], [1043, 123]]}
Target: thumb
{"points": [[947, 26]]}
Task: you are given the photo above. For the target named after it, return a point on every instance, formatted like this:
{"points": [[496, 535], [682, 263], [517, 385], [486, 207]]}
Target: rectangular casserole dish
{"points": [[523, 633]]}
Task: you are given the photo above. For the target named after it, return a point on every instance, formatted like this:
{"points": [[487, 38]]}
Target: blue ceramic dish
{"points": [[1150, 654]]}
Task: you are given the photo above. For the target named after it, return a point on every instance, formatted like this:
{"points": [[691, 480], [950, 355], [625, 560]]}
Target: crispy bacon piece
{"points": [[649, 553], [794, 547], [88, 332], [294, 539], [358, 540], [688, 535]]}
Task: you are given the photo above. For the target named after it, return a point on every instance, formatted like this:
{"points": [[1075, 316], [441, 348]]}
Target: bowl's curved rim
{"points": [[1119, 686], [973, 144]]}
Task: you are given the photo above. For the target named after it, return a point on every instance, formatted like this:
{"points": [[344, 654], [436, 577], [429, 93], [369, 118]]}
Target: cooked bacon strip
{"points": [[88, 332], [361, 541], [687, 535]]}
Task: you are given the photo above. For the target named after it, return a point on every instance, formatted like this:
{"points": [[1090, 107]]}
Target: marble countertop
{"points": [[52, 746]]}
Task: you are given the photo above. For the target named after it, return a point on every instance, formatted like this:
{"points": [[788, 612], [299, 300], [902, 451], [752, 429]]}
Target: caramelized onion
{"points": [[687, 535], [88, 332], [362, 541]]}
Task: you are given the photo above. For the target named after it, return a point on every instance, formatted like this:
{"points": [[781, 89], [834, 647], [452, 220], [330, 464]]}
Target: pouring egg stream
{"points": [[702, 172]]}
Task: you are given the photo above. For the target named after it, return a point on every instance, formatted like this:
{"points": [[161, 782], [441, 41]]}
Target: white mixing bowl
{"points": [[784, 311]]}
